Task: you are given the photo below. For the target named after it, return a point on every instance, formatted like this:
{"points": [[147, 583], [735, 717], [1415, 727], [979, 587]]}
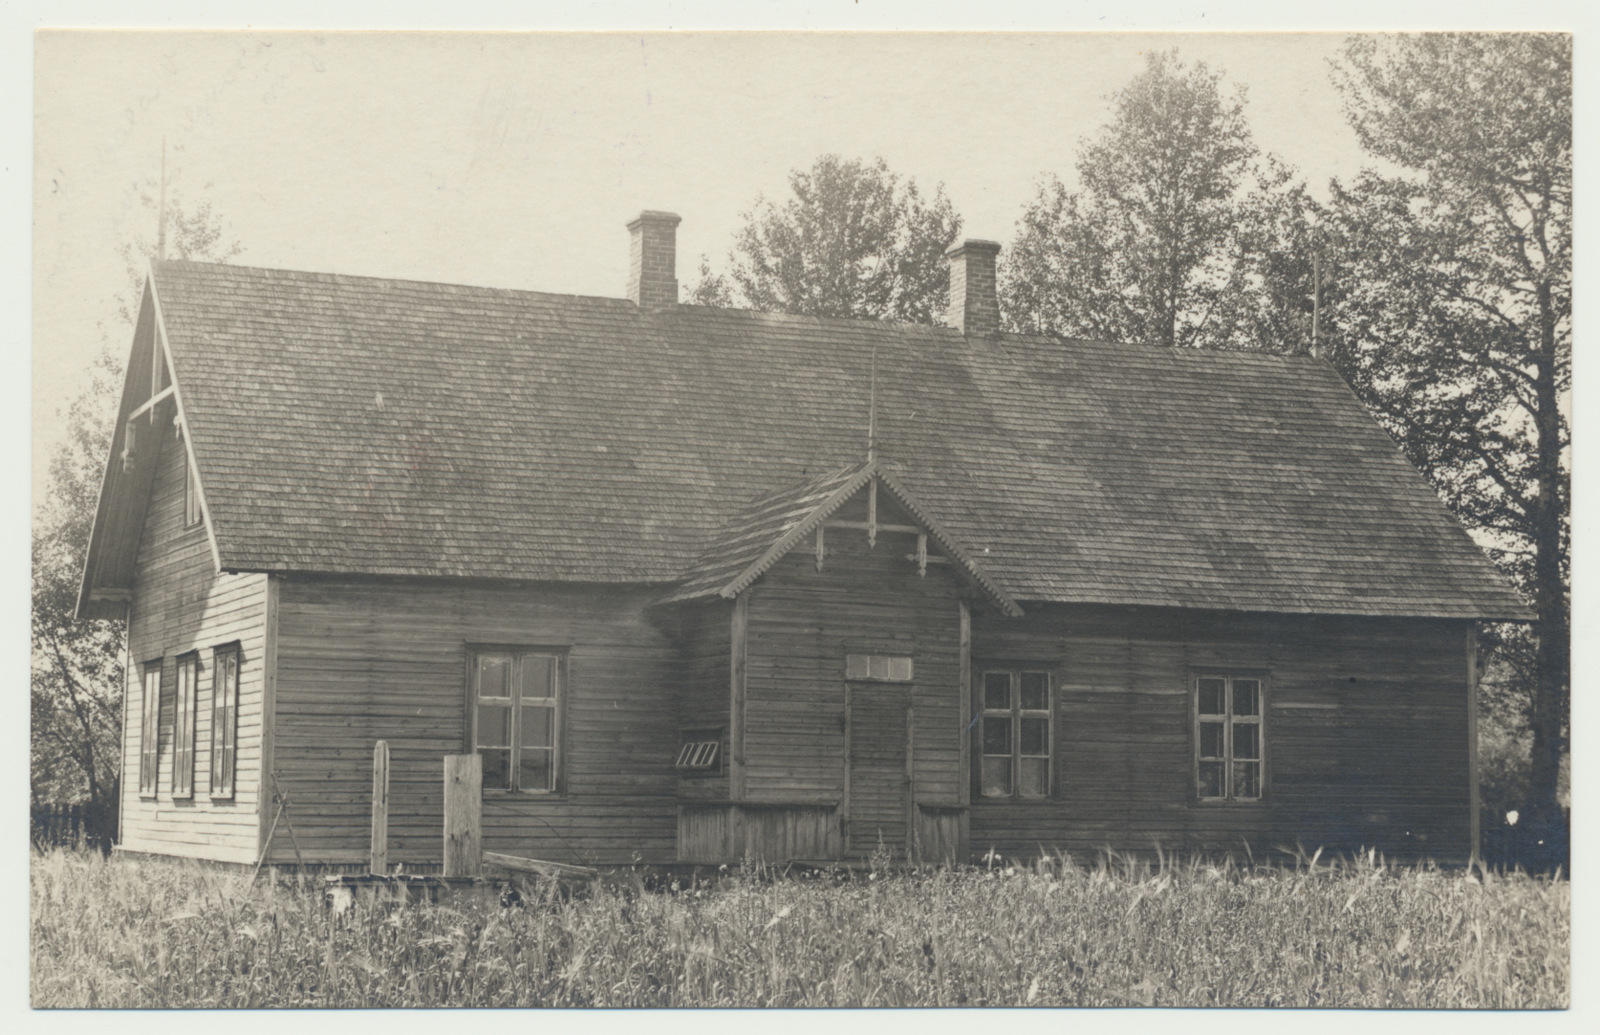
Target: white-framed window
{"points": [[224, 720], [516, 703], [183, 707], [1229, 736], [149, 727], [1015, 735], [191, 496]]}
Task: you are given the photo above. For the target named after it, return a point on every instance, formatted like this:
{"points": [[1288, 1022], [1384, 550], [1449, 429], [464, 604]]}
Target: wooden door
{"points": [[877, 780]]}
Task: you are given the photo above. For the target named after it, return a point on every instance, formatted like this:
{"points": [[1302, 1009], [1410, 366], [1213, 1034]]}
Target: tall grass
{"points": [[126, 932]]}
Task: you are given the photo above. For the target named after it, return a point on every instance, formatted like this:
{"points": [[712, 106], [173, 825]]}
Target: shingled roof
{"points": [[351, 424]]}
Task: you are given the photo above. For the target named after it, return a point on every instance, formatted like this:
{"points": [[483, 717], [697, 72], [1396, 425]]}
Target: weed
{"points": [[124, 932]]}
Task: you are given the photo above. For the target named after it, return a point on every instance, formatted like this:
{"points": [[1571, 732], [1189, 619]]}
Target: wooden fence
{"points": [[73, 826]]}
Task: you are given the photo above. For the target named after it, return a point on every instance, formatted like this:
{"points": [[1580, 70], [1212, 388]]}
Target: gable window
{"points": [[1015, 738], [877, 667], [191, 497], [516, 718], [1229, 748], [183, 727], [224, 719], [149, 727]]}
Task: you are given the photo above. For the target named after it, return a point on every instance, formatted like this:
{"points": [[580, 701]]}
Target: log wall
{"points": [[181, 604], [368, 660], [1366, 732]]}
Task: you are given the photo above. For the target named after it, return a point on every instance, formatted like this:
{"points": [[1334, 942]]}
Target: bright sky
{"points": [[515, 160]]}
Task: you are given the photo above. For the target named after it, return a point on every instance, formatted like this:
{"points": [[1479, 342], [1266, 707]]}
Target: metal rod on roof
{"points": [[1316, 295], [872, 406], [161, 209]]}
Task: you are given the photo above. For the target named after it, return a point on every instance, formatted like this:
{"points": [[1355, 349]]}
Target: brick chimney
{"points": [[653, 259], [974, 305]]}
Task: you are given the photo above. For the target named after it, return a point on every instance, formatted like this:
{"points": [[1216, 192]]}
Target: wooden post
{"points": [[380, 808], [463, 815], [913, 849], [964, 695], [736, 680]]}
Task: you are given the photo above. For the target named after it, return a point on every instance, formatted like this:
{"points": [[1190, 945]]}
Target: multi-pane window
{"points": [[880, 667], [224, 720], [1014, 735], [516, 701], [1228, 743], [183, 727], [149, 727], [191, 497]]}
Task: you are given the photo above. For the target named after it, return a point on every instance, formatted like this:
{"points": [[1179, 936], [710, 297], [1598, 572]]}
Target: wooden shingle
{"points": [[359, 425]]}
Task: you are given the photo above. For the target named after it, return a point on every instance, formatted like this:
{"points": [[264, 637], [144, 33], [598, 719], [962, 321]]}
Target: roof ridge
{"points": [[736, 312], [329, 277]]}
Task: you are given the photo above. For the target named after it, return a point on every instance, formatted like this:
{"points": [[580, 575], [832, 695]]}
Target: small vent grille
{"points": [[698, 755]]}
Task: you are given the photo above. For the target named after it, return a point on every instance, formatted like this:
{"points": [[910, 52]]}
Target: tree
{"points": [[854, 241], [1149, 247], [77, 667], [1454, 321]]}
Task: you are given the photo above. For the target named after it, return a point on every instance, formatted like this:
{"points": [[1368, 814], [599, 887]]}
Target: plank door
{"points": [[878, 781]]}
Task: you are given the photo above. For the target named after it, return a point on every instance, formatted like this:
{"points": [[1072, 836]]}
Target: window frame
{"points": [[982, 713], [193, 516], [1228, 759], [514, 702], [880, 668], [150, 727], [184, 708], [225, 721]]}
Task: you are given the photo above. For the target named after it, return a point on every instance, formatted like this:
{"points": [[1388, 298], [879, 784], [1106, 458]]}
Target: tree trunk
{"points": [[1552, 627]]}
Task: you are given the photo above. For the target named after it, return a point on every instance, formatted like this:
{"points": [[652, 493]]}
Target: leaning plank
{"points": [[518, 864]]}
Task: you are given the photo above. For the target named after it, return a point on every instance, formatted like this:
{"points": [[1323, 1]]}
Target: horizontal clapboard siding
{"points": [[706, 636], [1366, 732], [180, 604], [364, 660]]}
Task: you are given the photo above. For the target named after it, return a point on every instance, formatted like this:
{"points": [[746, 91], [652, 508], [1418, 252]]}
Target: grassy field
{"points": [[125, 932]]}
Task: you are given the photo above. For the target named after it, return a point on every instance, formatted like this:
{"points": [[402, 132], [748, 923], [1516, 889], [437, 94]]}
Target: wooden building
{"points": [[701, 585]]}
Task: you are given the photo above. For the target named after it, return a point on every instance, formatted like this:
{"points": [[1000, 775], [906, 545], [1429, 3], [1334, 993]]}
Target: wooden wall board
{"points": [[362, 660], [1367, 732], [181, 605]]}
